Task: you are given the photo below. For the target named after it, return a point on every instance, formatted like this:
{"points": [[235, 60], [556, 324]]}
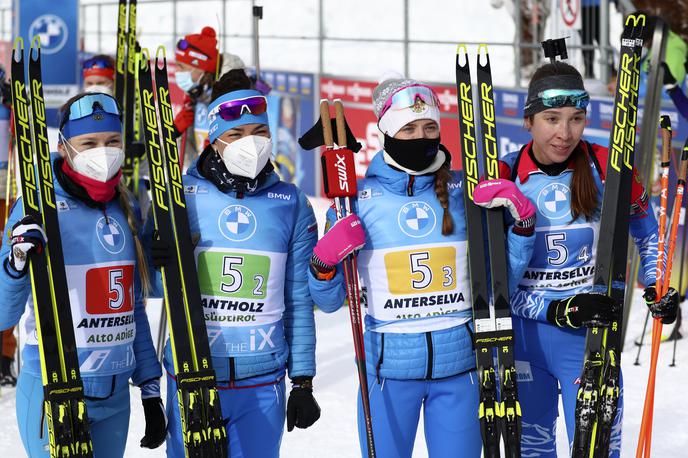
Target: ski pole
{"points": [[642, 338], [673, 355], [339, 179], [646, 425]]}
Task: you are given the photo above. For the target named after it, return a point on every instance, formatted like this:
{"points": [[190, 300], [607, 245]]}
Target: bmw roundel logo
{"points": [[202, 115], [554, 201], [52, 31], [110, 234], [416, 219], [237, 223]]}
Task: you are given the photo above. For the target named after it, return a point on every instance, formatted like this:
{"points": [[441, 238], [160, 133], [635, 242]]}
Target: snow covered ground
{"points": [[335, 436]]}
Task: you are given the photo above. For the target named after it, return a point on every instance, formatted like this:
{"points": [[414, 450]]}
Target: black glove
{"points": [[314, 137], [27, 237], [161, 252], [667, 307], [586, 309], [156, 423], [302, 409]]}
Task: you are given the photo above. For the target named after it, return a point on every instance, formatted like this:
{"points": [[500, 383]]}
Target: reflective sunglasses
{"points": [[234, 109], [88, 104], [411, 96], [557, 98]]}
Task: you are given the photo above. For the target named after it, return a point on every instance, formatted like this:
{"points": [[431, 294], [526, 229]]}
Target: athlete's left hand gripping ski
{"points": [[64, 404]]}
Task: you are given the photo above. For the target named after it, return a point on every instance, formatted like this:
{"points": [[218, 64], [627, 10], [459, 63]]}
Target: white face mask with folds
{"points": [[99, 88], [246, 156], [100, 164]]}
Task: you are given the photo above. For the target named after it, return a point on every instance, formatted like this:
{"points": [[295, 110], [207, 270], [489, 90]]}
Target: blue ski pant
{"points": [[549, 363], [254, 411], [450, 416], [108, 418]]}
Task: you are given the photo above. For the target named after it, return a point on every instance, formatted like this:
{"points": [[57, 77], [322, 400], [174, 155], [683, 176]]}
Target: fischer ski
{"points": [[64, 404], [203, 429], [598, 395], [499, 410], [510, 408]]}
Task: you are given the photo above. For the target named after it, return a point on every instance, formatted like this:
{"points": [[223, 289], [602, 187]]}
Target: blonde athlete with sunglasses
{"points": [[106, 274], [255, 235]]}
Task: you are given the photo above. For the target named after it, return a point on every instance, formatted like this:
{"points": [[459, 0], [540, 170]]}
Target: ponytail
{"points": [[125, 199], [583, 187], [442, 177]]}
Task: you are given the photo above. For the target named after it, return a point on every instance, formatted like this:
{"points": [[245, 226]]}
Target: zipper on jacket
{"points": [[240, 194], [232, 375], [409, 187], [428, 340], [382, 356]]}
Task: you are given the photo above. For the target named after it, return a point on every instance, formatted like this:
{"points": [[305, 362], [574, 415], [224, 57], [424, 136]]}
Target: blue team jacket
{"points": [[402, 220], [252, 254], [111, 327], [563, 259]]}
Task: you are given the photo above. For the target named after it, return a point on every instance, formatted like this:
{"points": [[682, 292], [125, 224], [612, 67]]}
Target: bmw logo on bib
{"points": [[416, 219], [52, 31], [110, 235], [553, 201], [237, 223]]}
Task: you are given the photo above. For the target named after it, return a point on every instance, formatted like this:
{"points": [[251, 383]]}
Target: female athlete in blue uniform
{"points": [[106, 274], [411, 229], [563, 175], [255, 237]]}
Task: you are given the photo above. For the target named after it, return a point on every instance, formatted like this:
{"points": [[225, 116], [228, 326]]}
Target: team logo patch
{"points": [[237, 223], [62, 206], [110, 235], [554, 201], [52, 31], [416, 219], [201, 115]]}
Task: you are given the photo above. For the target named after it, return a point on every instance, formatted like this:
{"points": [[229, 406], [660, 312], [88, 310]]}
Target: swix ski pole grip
{"points": [[326, 125], [339, 173]]}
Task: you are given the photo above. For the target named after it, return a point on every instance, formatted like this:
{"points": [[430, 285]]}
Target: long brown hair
{"points": [[583, 188], [125, 201], [442, 178]]}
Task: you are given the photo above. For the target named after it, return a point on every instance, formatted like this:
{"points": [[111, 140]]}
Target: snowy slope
{"points": [[335, 434]]}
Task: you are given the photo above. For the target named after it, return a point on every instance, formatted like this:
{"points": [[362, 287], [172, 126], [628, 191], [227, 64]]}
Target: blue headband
{"points": [[99, 121], [219, 126]]}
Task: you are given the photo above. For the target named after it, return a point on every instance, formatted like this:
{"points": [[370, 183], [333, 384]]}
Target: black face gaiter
{"points": [[415, 154]]}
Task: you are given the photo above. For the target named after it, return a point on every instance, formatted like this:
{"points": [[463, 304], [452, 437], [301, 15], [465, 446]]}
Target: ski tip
{"points": [[481, 47], [461, 48], [17, 47], [483, 55], [35, 53], [665, 122], [161, 53], [144, 57]]}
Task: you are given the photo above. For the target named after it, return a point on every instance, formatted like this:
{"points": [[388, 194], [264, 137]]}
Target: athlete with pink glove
{"points": [[411, 232]]}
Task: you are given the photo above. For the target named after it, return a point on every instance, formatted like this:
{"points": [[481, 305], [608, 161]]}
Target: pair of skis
{"points": [[203, 428], [339, 182], [125, 88], [64, 404], [663, 274], [499, 409], [598, 395]]}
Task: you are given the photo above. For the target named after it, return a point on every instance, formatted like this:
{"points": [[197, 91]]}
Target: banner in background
{"points": [[56, 23], [291, 113]]}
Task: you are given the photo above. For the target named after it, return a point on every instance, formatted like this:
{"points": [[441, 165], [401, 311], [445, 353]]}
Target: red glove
{"points": [[185, 117]]}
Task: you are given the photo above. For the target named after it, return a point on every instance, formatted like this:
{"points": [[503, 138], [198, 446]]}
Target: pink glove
{"points": [[504, 193], [340, 241]]}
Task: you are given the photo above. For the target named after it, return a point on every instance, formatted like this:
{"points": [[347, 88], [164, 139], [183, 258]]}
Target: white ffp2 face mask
{"points": [[100, 164], [246, 156], [185, 81]]}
